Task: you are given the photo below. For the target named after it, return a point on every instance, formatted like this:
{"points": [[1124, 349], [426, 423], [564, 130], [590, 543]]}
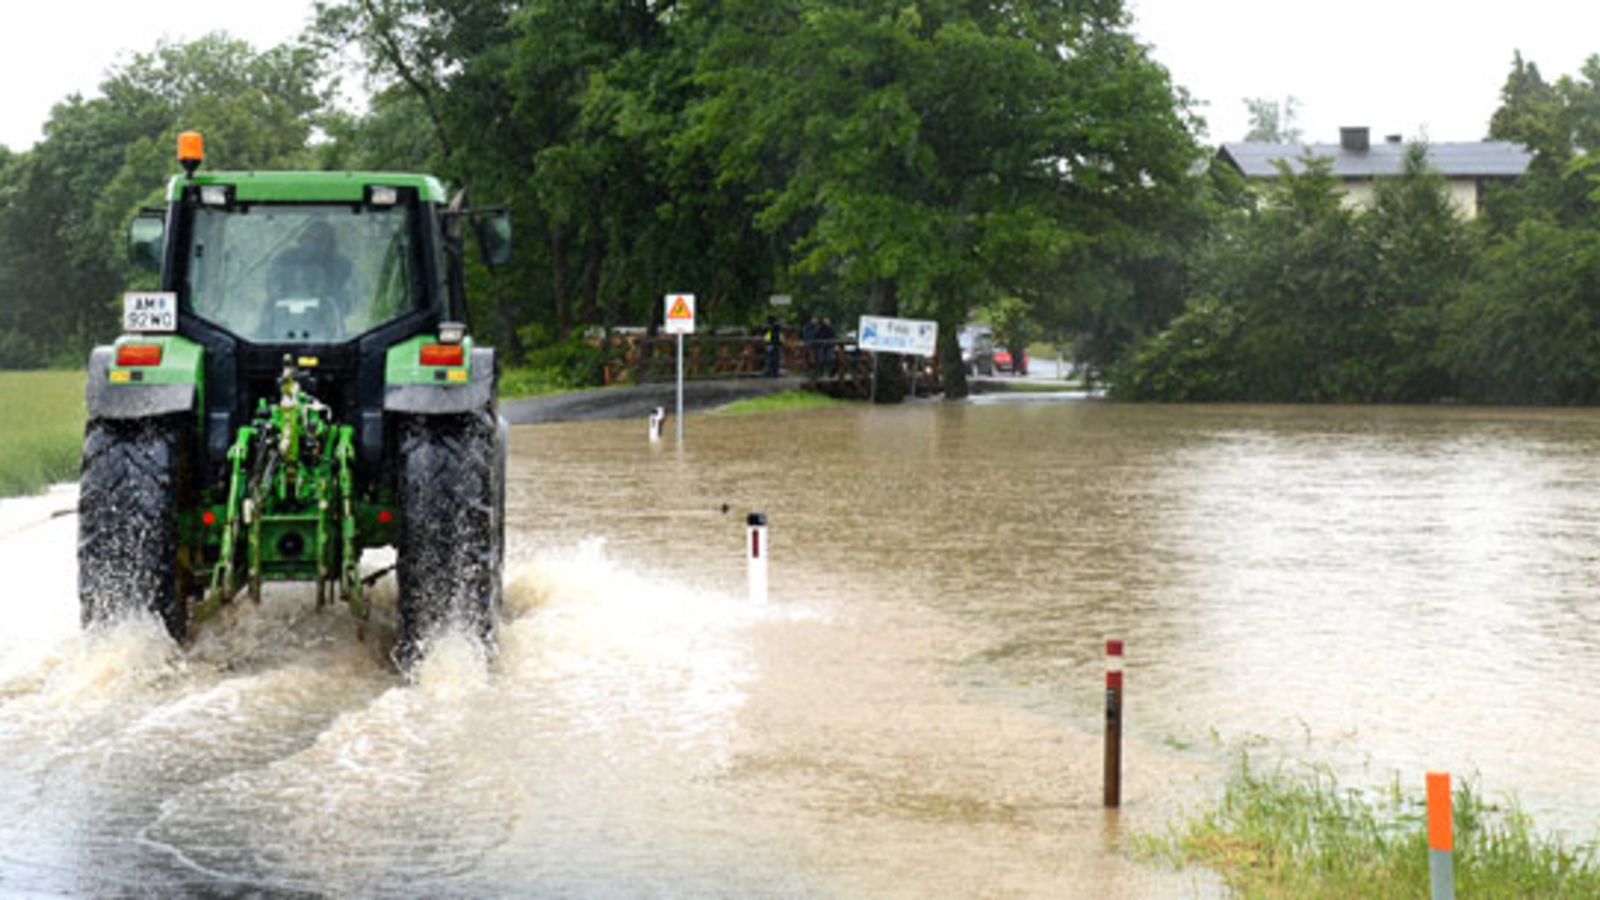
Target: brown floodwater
{"points": [[915, 711]]}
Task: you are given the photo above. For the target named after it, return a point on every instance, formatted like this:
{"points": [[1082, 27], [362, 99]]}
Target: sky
{"points": [[1410, 67], [1416, 68], [57, 47]]}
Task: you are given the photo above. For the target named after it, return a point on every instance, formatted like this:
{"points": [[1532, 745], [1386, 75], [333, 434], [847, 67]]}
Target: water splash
{"points": [[131, 651], [454, 663]]}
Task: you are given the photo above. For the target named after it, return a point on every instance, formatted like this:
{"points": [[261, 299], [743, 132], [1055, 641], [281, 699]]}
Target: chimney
{"points": [[1391, 139], [1355, 140]]}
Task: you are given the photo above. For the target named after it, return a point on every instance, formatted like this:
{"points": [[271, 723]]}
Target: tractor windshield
{"points": [[301, 274]]}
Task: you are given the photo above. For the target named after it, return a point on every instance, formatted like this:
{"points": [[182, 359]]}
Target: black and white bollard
{"points": [[756, 550], [1113, 785], [658, 418]]}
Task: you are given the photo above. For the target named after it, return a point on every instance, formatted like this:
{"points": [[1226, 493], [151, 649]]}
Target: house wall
{"points": [[1463, 194]]}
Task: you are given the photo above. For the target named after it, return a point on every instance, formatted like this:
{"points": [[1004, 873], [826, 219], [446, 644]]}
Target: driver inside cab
{"points": [[311, 283]]}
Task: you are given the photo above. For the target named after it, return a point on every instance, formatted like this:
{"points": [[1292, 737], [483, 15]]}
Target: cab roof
{"points": [[309, 187]]}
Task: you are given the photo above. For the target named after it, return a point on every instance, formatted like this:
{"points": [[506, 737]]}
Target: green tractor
{"points": [[299, 389]]}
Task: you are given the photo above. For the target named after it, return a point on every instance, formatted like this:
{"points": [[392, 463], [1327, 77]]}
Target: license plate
{"points": [[149, 311]]}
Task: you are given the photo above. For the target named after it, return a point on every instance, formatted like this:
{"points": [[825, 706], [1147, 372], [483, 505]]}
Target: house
{"points": [[1467, 166]]}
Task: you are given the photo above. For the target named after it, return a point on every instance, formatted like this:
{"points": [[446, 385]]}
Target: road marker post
{"points": [[1441, 841], [757, 550], [1113, 767], [658, 417]]}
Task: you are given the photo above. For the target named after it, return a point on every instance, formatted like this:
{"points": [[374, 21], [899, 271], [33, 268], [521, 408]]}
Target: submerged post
{"points": [[1113, 780], [680, 388], [1441, 843], [756, 550]]}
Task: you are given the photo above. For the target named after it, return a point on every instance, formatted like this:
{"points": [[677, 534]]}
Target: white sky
{"points": [[58, 47], [1408, 67], [1398, 66]]}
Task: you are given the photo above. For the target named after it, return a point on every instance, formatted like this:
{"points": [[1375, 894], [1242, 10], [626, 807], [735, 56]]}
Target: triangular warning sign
{"points": [[680, 309]]}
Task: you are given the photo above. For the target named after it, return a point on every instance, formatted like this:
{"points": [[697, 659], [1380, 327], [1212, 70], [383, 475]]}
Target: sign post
{"points": [[907, 337], [680, 321]]}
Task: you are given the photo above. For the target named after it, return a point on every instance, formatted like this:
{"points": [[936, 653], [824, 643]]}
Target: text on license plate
{"points": [[149, 311]]}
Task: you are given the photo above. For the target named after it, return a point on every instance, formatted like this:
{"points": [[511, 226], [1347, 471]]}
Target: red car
{"points": [[1002, 361]]}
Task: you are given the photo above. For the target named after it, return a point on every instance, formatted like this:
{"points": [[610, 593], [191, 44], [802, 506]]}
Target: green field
{"points": [[1283, 835], [41, 429]]}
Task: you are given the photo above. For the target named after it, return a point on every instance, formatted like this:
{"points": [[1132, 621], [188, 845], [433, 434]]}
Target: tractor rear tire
{"points": [[134, 476], [450, 529]]}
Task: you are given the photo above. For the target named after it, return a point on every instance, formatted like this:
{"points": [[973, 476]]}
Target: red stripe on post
{"points": [[1114, 681], [1113, 648], [755, 543]]}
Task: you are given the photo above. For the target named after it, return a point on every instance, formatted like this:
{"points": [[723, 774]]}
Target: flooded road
{"points": [[915, 712]]}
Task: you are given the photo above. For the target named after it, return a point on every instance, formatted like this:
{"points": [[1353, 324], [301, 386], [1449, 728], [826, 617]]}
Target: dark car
{"points": [[977, 349]]}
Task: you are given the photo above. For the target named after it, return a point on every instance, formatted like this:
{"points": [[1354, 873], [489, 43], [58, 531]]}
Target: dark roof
{"points": [[1466, 159]]}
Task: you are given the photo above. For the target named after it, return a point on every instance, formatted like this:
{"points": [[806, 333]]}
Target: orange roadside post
{"points": [[1441, 840]]}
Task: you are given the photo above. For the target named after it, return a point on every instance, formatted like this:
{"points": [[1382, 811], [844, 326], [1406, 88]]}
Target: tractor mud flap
{"points": [[105, 400], [443, 398]]}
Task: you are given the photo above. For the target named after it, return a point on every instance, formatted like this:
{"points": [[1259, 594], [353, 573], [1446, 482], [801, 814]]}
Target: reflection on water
{"points": [[916, 711]]}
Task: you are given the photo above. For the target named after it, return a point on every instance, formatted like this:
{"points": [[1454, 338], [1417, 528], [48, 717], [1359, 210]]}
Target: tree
{"points": [[1528, 328], [1304, 300], [937, 156], [67, 201], [1420, 253], [1272, 122]]}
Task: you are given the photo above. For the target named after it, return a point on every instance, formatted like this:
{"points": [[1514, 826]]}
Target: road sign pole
{"points": [[680, 321]]}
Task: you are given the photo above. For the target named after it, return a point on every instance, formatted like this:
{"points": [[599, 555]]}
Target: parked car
{"points": [[977, 349], [1003, 361]]}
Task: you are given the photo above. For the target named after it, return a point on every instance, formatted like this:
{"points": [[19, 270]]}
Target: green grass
{"points": [[783, 401], [1281, 835], [41, 429], [516, 384]]}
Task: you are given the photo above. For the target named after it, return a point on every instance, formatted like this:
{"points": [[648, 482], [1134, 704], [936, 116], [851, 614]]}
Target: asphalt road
{"points": [[638, 401]]}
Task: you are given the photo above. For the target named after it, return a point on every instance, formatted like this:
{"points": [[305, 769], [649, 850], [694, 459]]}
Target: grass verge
{"points": [[783, 401], [41, 429], [516, 384], [1281, 835]]}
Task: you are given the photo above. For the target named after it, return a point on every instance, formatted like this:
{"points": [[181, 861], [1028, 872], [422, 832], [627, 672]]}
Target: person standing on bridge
{"points": [[774, 346], [826, 335], [808, 337]]}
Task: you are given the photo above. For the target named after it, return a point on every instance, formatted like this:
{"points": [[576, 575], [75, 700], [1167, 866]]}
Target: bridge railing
{"points": [[836, 366]]}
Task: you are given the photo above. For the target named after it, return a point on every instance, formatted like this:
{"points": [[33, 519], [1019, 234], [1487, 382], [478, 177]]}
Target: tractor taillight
{"points": [[385, 517], [139, 355], [442, 354], [208, 518]]}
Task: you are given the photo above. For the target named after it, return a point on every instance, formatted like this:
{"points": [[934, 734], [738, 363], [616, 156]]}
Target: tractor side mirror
{"points": [[147, 237], [494, 237]]}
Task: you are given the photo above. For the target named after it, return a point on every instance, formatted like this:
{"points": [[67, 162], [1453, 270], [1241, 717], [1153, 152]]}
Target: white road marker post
{"points": [[1113, 767], [756, 551], [658, 418]]}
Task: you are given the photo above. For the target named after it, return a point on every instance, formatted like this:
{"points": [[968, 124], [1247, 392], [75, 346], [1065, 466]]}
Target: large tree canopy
{"points": [[941, 155], [64, 204]]}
